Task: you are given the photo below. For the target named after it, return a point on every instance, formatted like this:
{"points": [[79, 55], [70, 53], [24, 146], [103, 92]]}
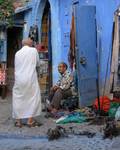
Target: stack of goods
{"points": [[2, 74]]}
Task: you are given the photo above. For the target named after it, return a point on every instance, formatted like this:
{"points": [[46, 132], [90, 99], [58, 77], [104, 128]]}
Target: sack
{"points": [[104, 104]]}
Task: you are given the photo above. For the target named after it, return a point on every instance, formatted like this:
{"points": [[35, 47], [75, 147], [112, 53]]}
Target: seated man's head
{"points": [[62, 67]]}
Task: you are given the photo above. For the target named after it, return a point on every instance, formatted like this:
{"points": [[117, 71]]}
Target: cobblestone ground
{"points": [[70, 143], [12, 138]]}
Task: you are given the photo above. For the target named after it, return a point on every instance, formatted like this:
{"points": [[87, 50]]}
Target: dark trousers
{"points": [[55, 97]]}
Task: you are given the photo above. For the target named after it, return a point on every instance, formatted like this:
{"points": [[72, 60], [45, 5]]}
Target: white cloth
{"points": [[26, 90]]}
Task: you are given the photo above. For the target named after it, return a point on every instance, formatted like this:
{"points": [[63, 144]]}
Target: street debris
{"points": [[110, 129], [56, 133], [85, 133]]}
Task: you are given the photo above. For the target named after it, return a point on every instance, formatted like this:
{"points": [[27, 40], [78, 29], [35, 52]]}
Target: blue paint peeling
{"points": [[61, 12]]}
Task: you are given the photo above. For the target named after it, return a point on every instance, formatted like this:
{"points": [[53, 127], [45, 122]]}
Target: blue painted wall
{"points": [[65, 24], [27, 23], [37, 12], [60, 28], [3, 52], [104, 14], [104, 17], [61, 21]]}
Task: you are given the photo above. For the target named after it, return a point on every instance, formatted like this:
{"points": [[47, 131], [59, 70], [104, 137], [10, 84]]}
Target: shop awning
{"points": [[23, 9]]}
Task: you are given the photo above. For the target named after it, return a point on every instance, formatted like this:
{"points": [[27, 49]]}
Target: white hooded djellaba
{"points": [[26, 90]]}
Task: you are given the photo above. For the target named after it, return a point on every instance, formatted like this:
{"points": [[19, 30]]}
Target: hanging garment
{"points": [[33, 33], [71, 55], [44, 30], [26, 91]]}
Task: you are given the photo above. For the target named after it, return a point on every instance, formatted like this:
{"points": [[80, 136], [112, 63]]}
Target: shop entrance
{"points": [[14, 38], [45, 51]]}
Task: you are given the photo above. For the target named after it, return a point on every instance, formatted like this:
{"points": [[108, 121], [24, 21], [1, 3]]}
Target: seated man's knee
{"points": [[51, 89], [58, 93]]}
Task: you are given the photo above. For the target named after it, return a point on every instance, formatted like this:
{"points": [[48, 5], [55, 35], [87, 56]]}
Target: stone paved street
{"points": [[12, 138], [59, 55], [71, 143]]}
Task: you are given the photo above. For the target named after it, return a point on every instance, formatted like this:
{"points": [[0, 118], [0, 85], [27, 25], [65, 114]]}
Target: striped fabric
{"points": [[2, 77], [3, 74], [44, 36]]}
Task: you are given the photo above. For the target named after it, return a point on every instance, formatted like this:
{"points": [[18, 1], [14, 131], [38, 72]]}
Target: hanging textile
{"points": [[33, 33], [44, 29], [3, 74], [71, 55]]}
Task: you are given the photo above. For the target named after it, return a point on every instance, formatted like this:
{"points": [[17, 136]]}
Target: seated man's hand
{"points": [[55, 87]]}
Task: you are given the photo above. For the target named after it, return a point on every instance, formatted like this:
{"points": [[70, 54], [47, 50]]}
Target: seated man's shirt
{"points": [[65, 81]]}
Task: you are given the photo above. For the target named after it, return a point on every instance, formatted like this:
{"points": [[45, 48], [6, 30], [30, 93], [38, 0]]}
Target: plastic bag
{"points": [[113, 108], [75, 117], [117, 115]]}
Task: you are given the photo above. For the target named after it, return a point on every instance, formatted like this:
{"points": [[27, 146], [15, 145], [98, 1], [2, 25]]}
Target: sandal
{"points": [[18, 124], [34, 124]]}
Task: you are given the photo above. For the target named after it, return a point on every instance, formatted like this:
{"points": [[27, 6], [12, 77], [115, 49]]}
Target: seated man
{"points": [[62, 89]]}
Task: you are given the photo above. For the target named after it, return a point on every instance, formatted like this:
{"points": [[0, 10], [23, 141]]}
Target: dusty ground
{"points": [[13, 138]]}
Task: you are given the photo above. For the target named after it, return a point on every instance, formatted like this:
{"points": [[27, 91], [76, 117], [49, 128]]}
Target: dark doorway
{"points": [[46, 79], [14, 38]]}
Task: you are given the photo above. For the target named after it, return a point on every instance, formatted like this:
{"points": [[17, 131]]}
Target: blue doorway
{"points": [[86, 50]]}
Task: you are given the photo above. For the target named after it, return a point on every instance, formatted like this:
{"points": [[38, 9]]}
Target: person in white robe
{"points": [[26, 90]]}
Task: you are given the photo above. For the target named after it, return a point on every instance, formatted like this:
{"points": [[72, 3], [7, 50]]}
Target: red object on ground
{"points": [[104, 104]]}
